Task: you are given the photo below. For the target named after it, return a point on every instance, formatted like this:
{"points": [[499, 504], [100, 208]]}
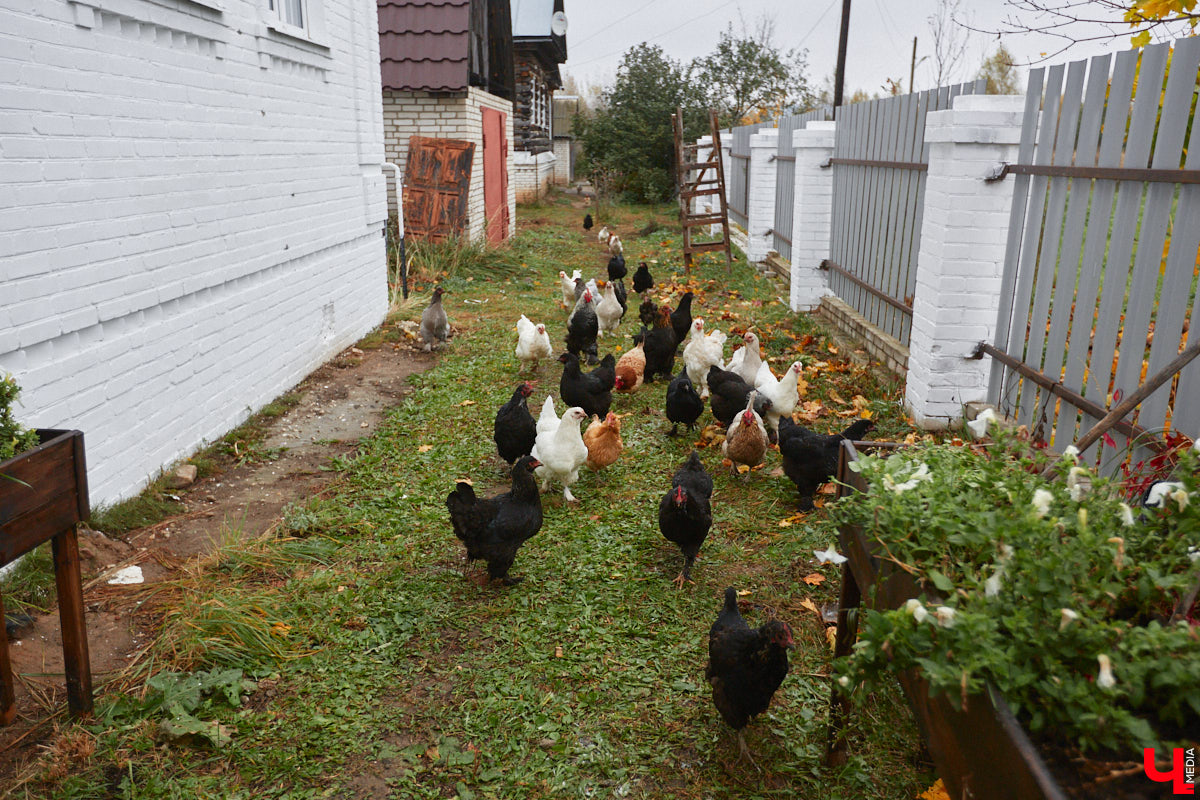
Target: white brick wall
{"points": [[760, 203], [563, 174], [191, 213], [532, 174], [449, 116], [812, 214], [963, 236]]}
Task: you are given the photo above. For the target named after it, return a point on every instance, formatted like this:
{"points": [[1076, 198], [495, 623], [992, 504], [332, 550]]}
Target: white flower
{"points": [[830, 556], [1160, 490], [1071, 454], [921, 473], [945, 616], [1105, 679], [844, 681], [991, 587], [1041, 502], [1126, 515], [914, 607], [1079, 483], [1067, 617], [979, 425]]}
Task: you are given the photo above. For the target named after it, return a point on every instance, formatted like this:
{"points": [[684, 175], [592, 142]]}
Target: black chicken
{"points": [[648, 312], [685, 512], [681, 317], [660, 346], [642, 279], [728, 395], [745, 665], [515, 430], [809, 458], [622, 296], [683, 403], [591, 391], [494, 528], [616, 267], [587, 222], [583, 327]]}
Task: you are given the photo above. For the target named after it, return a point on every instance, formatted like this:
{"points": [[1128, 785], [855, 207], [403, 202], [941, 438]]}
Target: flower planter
{"points": [[43, 494], [980, 751]]}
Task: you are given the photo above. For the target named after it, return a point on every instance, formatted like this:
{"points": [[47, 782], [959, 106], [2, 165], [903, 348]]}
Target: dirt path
{"points": [[343, 401]]}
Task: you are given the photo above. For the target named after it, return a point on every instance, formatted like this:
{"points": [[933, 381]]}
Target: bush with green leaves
{"points": [[14, 438], [1053, 590]]}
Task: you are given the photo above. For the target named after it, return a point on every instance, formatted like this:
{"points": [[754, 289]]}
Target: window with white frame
{"points": [[292, 16]]}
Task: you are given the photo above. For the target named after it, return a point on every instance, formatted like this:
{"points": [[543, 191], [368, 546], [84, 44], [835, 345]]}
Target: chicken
{"points": [[701, 353], [783, 395], [591, 391], [648, 312], [583, 327], [809, 458], [746, 440], [533, 343], [567, 284], [747, 359], [660, 346], [561, 452], [631, 368], [587, 222], [589, 284], [642, 279], [494, 528], [614, 245], [514, 430], [608, 310], [603, 441], [622, 296], [616, 267], [683, 404], [681, 317], [685, 512], [745, 665], [729, 394], [603, 235], [434, 325], [547, 419]]}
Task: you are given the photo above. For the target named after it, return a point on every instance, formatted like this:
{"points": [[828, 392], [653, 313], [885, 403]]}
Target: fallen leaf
{"points": [[832, 349], [837, 398], [831, 636], [860, 403], [935, 792], [742, 469], [467, 403], [811, 606], [776, 473], [815, 579], [829, 488], [558, 652], [425, 448]]}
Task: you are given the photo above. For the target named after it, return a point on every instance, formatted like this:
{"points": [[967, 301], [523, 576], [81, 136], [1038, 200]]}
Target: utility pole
{"points": [[912, 70], [839, 79]]}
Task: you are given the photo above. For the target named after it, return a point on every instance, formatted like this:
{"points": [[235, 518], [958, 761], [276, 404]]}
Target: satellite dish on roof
{"points": [[558, 24]]}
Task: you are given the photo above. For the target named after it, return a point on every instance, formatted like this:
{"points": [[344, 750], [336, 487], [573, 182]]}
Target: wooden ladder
{"points": [[695, 178]]}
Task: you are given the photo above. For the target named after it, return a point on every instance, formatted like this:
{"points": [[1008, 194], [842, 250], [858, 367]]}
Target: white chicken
{"points": [[533, 342], [702, 352], [561, 451], [603, 235], [567, 284], [608, 310], [782, 393], [547, 419], [614, 245], [746, 360]]}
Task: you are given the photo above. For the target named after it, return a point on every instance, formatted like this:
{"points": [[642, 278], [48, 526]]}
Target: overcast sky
{"points": [[880, 45]]}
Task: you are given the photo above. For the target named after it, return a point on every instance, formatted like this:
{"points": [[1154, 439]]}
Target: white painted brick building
{"points": [[191, 213]]}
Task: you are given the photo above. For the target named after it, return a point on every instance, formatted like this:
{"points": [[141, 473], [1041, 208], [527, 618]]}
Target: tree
{"points": [[1073, 22], [999, 72], [629, 139], [950, 36], [748, 77]]}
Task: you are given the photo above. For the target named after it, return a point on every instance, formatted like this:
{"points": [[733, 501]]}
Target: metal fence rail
{"points": [[738, 171], [880, 157], [1100, 269], [785, 176]]}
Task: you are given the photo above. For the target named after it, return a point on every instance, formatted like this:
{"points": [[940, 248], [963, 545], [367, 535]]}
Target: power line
{"points": [[614, 22], [659, 36], [813, 29]]}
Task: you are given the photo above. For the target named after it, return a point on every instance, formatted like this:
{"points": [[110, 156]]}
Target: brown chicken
{"points": [[746, 440], [631, 367], [603, 440]]}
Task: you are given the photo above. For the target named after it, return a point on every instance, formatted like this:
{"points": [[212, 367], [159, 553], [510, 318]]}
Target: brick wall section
{"points": [[812, 214], [963, 237], [448, 116], [760, 204], [532, 175], [563, 174], [192, 217]]}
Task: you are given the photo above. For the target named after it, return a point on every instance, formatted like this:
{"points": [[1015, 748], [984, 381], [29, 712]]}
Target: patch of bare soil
{"points": [[340, 403]]}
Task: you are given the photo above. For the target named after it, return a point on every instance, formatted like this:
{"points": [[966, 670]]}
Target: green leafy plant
{"points": [[14, 438], [182, 703], [1054, 591]]}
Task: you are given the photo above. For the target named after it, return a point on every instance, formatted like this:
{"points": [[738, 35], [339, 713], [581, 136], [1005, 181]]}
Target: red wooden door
{"points": [[437, 176], [495, 174]]}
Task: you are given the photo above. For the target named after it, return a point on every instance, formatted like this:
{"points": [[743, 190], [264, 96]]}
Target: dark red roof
{"points": [[424, 44]]}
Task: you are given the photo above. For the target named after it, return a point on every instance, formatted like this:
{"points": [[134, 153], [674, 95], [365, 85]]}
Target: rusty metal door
{"points": [[495, 174], [437, 176]]}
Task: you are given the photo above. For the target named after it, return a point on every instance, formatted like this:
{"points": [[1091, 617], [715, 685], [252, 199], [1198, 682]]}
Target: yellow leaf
{"points": [[742, 469], [815, 579], [425, 448], [935, 792], [811, 606], [467, 403], [831, 636]]}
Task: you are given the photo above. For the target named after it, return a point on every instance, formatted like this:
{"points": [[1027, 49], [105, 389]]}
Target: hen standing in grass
{"points": [[685, 512], [729, 393], [603, 441], [683, 404], [745, 665], [435, 327], [608, 310], [587, 222], [810, 459], [567, 284], [681, 317], [701, 353], [642, 279], [591, 391], [746, 440], [648, 312], [494, 528], [583, 327], [533, 343], [514, 430], [616, 267], [561, 452], [747, 360], [631, 369], [659, 345]]}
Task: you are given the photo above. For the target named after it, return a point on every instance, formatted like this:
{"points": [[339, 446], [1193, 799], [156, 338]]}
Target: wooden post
{"points": [[8, 709]]}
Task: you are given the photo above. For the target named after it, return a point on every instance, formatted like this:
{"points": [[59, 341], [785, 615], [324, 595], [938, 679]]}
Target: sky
{"points": [[880, 42]]}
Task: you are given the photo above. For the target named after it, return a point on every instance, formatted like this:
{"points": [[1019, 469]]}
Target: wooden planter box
{"points": [[43, 494], [980, 752]]}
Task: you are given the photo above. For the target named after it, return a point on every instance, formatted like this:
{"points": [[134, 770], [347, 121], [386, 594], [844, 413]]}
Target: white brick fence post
{"points": [[961, 260], [760, 204], [812, 214]]}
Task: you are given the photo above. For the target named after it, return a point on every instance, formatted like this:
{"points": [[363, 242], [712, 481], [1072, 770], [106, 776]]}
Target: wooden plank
{"points": [[714, 219], [705, 246], [700, 193], [8, 706], [67, 580], [33, 479], [26, 532]]}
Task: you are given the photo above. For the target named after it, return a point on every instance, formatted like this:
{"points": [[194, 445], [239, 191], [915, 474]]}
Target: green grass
{"points": [[398, 675]]}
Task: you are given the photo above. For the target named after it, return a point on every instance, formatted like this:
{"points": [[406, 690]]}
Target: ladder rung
{"points": [[699, 192], [690, 165], [700, 248], [691, 222]]}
